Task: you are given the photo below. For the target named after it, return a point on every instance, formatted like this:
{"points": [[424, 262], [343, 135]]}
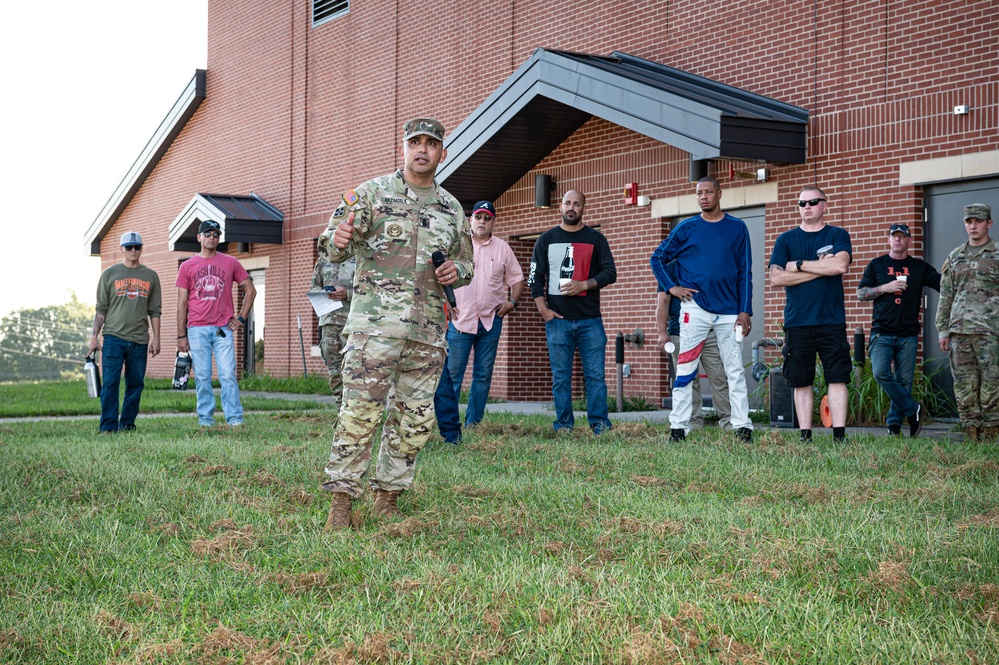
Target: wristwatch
{"points": [[241, 320], [797, 265]]}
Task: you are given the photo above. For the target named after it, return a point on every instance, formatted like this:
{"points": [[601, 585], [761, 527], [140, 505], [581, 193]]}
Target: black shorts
{"points": [[800, 347]]}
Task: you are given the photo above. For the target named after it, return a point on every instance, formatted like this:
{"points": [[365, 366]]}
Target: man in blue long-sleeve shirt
{"points": [[714, 281]]}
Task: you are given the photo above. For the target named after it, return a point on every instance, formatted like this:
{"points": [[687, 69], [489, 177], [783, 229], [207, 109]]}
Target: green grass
{"points": [[69, 398], [176, 545]]}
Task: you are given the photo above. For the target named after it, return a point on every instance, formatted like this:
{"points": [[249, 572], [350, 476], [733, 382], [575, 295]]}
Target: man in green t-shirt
{"points": [[129, 301]]}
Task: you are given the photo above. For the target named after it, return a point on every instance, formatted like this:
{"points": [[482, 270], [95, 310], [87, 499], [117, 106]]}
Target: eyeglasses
{"points": [[137, 248], [212, 234], [810, 202]]}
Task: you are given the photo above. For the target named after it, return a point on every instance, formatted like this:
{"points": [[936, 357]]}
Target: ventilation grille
{"points": [[324, 10]]}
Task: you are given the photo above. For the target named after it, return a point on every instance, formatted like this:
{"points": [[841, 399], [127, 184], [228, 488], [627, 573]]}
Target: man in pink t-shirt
{"points": [[206, 322], [482, 305]]}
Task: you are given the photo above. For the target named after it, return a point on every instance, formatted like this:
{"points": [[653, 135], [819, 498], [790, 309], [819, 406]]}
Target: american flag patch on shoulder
{"points": [[350, 198]]}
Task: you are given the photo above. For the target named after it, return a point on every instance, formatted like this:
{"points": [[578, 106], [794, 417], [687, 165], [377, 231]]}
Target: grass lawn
{"points": [[176, 545], [69, 398]]}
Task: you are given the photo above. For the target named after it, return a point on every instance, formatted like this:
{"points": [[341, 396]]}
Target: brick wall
{"points": [[298, 115]]}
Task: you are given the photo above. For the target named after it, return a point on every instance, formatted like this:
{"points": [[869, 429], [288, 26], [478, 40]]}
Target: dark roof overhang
{"points": [[244, 219], [156, 147], [554, 92]]}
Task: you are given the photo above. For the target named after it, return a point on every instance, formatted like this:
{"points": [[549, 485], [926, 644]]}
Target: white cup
{"points": [[563, 282], [739, 336], [669, 347], [902, 278]]}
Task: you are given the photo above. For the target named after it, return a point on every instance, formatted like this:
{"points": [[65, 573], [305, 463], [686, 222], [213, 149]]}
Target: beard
{"points": [[571, 222]]}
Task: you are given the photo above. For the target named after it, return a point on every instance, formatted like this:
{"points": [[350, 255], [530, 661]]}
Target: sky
{"points": [[85, 85]]}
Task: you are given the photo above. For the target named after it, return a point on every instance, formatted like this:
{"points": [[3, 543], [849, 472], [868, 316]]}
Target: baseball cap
{"points": [[419, 126], [978, 211], [209, 225], [130, 238], [900, 228], [484, 205]]}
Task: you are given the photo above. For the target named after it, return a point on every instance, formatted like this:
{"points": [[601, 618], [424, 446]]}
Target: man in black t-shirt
{"points": [[894, 282], [571, 263]]}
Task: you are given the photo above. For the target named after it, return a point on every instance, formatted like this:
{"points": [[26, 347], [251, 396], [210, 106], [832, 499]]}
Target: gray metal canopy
{"points": [[554, 92], [243, 219]]}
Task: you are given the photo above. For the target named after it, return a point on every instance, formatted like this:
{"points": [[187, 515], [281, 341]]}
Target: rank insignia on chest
{"points": [[394, 230], [350, 198]]}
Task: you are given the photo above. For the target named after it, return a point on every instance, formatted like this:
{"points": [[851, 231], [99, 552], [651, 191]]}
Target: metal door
{"points": [[944, 231]]}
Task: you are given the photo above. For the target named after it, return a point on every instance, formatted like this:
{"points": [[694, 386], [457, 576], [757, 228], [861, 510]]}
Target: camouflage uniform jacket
{"points": [[969, 291], [336, 275], [395, 291]]}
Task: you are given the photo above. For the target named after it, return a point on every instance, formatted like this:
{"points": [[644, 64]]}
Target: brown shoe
{"points": [[989, 433], [971, 433], [339, 517], [385, 504]]}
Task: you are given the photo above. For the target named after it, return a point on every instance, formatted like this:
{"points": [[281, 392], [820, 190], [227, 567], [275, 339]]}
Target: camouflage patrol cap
{"points": [[978, 211], [419, 126]]}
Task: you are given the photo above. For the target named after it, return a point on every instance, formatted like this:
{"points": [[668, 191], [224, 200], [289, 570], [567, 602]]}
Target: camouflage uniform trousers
{"points": [[331, 348], [373, 367], [974, 363]]}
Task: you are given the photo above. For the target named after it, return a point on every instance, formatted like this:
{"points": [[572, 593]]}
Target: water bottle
{"points": [[93, 376]]}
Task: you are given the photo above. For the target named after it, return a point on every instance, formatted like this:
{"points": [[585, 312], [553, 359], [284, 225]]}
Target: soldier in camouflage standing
{"points": [[967, 324], [338, 280], [392, 225]]}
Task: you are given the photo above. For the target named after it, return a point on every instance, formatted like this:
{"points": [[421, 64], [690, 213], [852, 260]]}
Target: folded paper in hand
{"points": [[321, 302]]}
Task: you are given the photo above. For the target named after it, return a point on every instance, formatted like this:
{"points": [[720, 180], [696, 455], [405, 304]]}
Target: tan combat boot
{"points": [[989, 433], [339, 517], [385, 504], [971, 433]]}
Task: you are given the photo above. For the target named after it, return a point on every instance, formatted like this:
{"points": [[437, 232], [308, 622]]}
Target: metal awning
{"points": [[552, 94], [244, 219]]}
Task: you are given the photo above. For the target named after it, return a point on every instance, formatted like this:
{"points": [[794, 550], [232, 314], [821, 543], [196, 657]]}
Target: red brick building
{"points": [[896, 106]]}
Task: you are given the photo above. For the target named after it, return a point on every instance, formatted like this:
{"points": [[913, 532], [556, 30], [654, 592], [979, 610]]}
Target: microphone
{"points": [[438, 260]]}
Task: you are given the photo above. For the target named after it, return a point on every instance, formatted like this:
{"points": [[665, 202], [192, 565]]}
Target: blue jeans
{"points": [[564, 337], [460, 345], [116, 353], [898, 384], [205, 341], [446, 408]]}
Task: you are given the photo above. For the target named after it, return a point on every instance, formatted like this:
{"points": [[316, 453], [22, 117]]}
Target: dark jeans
{"points": [[884, 350], [115, 354], [564, 338], [446, 408], [460, 346]]}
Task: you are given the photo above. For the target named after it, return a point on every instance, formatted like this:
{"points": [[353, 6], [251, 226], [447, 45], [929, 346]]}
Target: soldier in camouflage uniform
{"points": [[967, 323], [338, 279], [395, 327]]}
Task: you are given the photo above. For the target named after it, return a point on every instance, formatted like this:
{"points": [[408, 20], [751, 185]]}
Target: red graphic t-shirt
{"points": [[209, 288]]}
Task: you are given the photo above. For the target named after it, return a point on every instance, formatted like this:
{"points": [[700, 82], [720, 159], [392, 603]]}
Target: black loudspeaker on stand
{"points": [[781, 400]]}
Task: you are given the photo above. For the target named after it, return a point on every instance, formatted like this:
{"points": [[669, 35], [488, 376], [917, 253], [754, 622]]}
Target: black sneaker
{"points": [[745, 434], [677, 435], [916, 421], [894, 430]]}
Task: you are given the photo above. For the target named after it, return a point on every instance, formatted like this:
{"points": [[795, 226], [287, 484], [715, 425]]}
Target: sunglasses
{"points": [[811, 203], [212, 234], [901, 228], [137, 248]]}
